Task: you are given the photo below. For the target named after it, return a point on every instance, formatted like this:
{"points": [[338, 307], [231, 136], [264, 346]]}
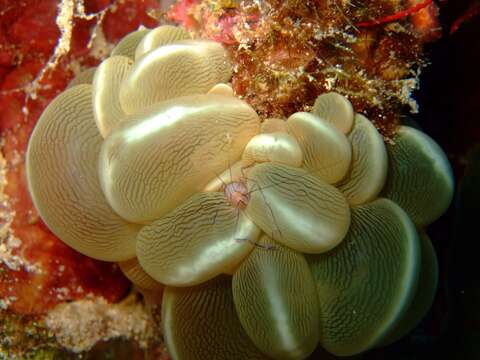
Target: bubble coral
{"points": [[269, 238]]}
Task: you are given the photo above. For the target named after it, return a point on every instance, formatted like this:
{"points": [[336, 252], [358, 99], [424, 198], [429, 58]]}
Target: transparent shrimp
{"points": [[237, 193]]}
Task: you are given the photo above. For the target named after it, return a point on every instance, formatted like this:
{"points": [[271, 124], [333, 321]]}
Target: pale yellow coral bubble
{"points": [[62, 175], [275, 147], [184, 68], [106, 103], [366, 284], [272, 125], [201, 322], [202, 238], [135, 273], [326, 151], [336, 110], [235, 172], [221, 89], [296, 208], [275, 297], [369, 163], [158, 158], [420, 178], [162, 35], [127, 46]]}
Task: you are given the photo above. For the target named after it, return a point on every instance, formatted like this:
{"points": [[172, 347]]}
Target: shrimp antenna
{"points": [[230, 168], [219, 178]]}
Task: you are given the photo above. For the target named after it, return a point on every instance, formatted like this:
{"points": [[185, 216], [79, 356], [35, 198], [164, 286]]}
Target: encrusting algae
{"points": [[286, 53]]}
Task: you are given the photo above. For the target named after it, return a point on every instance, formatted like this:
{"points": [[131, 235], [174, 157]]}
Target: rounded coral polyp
{"points": [[336, 110], [184, 68], [297, 208], [158, 37], [202, 238], [127, 46], [62, 174], [106, 103], [368, 171], [326, 151], [160, 157], [274, 147]]}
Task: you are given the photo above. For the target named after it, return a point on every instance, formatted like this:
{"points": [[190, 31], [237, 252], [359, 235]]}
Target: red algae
{"points": [[42, 46], [471, 12], [415, 8]]}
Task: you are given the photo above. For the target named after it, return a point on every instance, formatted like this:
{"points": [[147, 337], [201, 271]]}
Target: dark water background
{"points": [[449, 101]]}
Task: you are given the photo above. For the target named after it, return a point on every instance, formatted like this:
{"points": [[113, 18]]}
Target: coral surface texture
{"points": [[268, 236]]}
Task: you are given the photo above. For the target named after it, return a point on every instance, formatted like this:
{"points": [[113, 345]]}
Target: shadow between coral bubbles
{"points": [[449, 101]]}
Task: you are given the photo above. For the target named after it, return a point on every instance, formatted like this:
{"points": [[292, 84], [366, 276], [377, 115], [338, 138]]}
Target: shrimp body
{"points": [[237, 193]]}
